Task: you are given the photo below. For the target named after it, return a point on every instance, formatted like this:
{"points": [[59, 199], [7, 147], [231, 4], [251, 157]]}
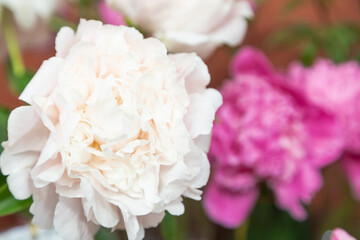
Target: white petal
{"points": [[50, 171], [43, 207], [193, 70], [105, 213], [133, 229], [25, 131], [44, 80], [176, 207], [199, 167], [63, 40], [10, 163], [151, 220], [20, 184], [201, 112], [70, 221]]}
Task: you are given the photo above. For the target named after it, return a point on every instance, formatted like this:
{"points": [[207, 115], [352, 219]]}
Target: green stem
{"points": [[17, 63], [241, 232]]}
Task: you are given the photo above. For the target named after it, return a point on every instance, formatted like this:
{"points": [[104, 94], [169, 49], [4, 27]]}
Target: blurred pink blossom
{"points": [[340, 234], [110, 16], [336, 89], [266, 132]]}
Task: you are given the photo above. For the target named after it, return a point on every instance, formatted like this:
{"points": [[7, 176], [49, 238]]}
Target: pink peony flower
{"points": [[109, 15], [337, 234], [265, 132], [336, 89], [187, 25], [115, 133]]}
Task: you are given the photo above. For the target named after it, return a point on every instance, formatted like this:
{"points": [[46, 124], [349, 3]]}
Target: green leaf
{"points": [[298, 33], [267, 220], [10, 205], [4, 115], [106, 234], [18, 83], [308, 54], [169, 227], [4, 191], [174, 227], [339, 41]]}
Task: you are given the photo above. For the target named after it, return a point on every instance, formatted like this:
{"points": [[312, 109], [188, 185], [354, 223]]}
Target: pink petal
{"points": [[340, 234], [250, 60], [109, 15], [227, 208], [300, 189]]}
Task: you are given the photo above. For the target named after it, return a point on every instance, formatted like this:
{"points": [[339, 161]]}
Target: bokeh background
{"points": [[286, 31]]}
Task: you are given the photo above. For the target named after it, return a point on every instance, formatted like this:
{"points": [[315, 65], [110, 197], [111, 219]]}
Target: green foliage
{"points": [[106, 234], [18, 83], [267, 220], [9, 205], [338, 42], [171, 228], [4, 115]]}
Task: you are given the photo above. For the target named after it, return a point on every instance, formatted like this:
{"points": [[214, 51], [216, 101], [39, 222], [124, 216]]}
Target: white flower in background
{"points": [[189, 25], [116, 132], [27, 12]]}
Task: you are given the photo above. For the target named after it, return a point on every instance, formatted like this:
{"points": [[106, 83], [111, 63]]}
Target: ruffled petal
{"points": [[70, 221]]}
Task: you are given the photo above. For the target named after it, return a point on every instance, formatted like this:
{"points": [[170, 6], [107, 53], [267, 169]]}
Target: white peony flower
{"points": [[27, 12], [188, 25], [115, 133]]}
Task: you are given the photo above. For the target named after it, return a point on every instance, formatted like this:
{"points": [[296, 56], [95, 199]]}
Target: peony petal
{"points": [[49, 172], [25, 131], [70, 221], [252, 61], [199, 168], [201, 113], [176, 207], [10, 163], [44, 80], [151, 220], [63, 41], [193, 70], [228, 208], [301, 188], [340, 234], [106, 214], [133, 229], [43, 207], [20, 184]]}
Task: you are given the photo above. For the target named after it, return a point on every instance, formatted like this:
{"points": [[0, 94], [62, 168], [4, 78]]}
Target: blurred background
{"points": [[285, 30]]}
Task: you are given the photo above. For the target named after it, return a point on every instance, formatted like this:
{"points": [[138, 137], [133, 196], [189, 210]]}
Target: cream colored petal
{"points": [[44, 80], [70, 221], [43, 207], [20, 184]]}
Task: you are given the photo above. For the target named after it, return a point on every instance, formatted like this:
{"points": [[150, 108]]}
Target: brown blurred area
{"points": [[269, 18]]}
